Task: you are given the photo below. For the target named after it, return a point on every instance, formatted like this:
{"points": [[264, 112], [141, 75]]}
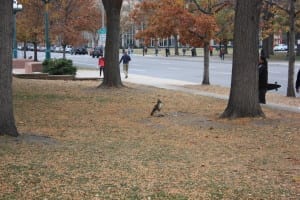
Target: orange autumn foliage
{"points": [[171, 18]]}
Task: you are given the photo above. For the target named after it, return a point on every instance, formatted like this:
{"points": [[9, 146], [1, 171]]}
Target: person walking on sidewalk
{"points": [[222, 53], [126, 59], [101, 64]]}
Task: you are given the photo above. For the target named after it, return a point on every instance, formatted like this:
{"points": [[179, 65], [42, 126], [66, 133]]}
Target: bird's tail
{"points": [[153, 111]]}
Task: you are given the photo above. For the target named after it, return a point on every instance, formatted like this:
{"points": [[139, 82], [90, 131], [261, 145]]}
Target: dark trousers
{"points": [[262, 95], [101, 70]]}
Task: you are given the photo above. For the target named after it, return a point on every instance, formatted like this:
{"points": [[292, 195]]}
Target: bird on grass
{"points": [[157, 107]]}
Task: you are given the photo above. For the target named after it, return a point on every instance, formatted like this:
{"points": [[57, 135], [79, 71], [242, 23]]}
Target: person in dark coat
{"points": [[167, 51], [263, 79], [126, 59], [298, 82]]}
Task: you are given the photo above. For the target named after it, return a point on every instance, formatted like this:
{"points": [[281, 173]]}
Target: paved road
{"points": [[186, 69]]}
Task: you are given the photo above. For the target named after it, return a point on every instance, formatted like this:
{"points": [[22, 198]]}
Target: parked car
{"points": [[58, 49], [79, 50], [68, 49], [96, 52], [280, 47]]}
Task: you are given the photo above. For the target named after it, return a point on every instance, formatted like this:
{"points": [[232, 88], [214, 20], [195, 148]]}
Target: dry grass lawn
{"points": [[81, 142]]}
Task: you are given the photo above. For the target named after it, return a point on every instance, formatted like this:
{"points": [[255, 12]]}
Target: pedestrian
{"points": [[222, 53], [156, 51], [183, 51], [167, 51], [193, 51], [129, 50], [126, 59], [263, 79], [298, 82], [101, 64], [211, 50]]}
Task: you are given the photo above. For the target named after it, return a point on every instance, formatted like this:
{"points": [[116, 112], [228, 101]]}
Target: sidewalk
{"points": [[170, 84]]}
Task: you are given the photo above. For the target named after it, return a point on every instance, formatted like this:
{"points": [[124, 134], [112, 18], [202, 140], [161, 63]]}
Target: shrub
{"points": [[59, 67]]}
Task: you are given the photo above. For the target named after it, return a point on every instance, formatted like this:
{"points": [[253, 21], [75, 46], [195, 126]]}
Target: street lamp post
{"points": [[16, 8], [48, 56]]}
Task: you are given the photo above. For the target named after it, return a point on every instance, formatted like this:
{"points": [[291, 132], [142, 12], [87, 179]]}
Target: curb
{"points": [[45, 76]]}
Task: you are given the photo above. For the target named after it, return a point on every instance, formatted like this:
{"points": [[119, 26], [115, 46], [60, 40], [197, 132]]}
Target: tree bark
{"points": [[205, 80], [176, 45], [7, 121], [292, 56], [243, 99], [112, 77], [267, 46], [35, 51]]}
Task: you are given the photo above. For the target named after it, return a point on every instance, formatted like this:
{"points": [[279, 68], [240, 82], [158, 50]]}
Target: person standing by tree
{"points": [[101, 64], [263, 79], [126, 59], [298, 82]]}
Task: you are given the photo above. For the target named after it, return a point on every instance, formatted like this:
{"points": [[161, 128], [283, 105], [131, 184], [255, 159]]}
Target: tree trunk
{"points": [[176, 45], [35, 51], [266, 46], [271, 44], [205, 80], [243, 99], [291, 53], [24, 50], [112, 77], [7, 121]]}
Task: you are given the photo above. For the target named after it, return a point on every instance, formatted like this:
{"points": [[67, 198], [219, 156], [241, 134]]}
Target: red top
{"points": [[101, 62]]}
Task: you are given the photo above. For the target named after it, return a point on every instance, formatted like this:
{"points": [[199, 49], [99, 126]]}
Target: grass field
{"points": [[78, 141]]}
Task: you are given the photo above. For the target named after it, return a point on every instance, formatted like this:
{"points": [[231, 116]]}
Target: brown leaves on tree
{"points": [[171, 18], [67, 18]]}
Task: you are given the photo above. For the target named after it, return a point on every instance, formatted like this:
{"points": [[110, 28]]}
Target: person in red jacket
{"points": [[101, 64]]}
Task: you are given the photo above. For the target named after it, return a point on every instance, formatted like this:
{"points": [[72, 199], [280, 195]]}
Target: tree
{"points": [[205, 28], [243, 99], [112, 76], [7, 121], [289, 8], [71, 17], [190, 22], [31, 16], [267, 31], [225, 21], [198, 30], [163, 19]]}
